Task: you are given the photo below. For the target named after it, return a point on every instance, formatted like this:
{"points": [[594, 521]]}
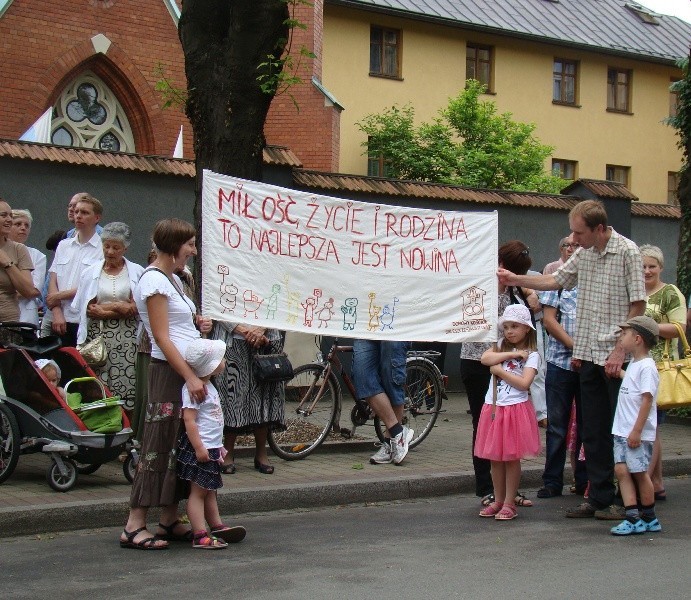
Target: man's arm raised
{"points": [[536, 282]]}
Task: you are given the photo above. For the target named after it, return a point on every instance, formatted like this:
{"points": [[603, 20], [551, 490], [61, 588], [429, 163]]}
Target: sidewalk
{"points": [[440, 465]]}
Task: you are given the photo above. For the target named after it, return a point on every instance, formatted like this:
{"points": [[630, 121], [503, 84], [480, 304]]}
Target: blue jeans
{"points": [[561, 386]]}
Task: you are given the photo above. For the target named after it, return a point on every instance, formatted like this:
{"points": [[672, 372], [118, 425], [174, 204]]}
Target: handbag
{"points": [[272, 367], [674, 388], [95, 352]]}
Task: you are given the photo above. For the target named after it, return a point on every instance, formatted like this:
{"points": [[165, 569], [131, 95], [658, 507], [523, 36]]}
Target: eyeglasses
{"points": [[574, 246]]}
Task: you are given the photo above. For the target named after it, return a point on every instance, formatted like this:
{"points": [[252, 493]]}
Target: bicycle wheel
{"points": [[9, 442], [423, 394], [306, 425]]}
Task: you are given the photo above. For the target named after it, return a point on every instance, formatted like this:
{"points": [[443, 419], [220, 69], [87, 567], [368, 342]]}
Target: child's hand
{"points": [[634, 439], [202, 455], [496, 370], [521, 354]]}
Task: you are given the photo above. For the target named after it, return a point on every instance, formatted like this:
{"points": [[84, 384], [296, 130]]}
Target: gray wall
{"points": [[141, 199]]}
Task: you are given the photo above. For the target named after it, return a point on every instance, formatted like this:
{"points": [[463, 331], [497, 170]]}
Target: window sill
{"points": [[382, 76], [619, 112], [569, 104]]}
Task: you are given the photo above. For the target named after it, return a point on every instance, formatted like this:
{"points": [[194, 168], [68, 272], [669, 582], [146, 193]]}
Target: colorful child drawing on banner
{"points": [[373, 313], [228, 298], [309, 306], [325, 313], [388, 315], [252, 303], [272, 306], [349, 310]]}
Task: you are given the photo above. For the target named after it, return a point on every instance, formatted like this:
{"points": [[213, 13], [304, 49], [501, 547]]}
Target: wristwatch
{"points": [[9, 264]]}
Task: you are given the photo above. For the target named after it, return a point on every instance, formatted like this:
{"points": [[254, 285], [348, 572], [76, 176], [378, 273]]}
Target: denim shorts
{"points": [[636, 459], [380, 366]]}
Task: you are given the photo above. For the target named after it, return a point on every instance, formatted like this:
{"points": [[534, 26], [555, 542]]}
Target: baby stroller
{"points": [[79, 434]]}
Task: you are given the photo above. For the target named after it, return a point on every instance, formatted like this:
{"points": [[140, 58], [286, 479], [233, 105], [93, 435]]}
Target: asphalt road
{"points": [[434, 548]]}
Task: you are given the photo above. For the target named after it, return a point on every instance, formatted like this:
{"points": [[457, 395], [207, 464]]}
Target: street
{"points": [[433, 548]]}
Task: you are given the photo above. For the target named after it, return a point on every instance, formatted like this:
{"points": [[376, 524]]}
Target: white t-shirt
{"points": [[181, 310], [209, 416], [641, 377], [507, 394]]}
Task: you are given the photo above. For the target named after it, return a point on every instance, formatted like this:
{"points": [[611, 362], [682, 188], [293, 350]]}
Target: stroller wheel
{"points": [[129, 467], [62, 482], [9, 442], [85, 469]]}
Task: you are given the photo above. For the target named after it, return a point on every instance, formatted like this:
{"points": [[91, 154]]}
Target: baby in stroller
{"points": [[53, 374]]}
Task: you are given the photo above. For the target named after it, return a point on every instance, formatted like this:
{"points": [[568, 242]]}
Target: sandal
{"points": [[487, 500], [507, 513], [661, 495], [203, 541], [171, 536], [491, 510], [232, 535], [521, 500], [228, 469], [149, 543], [263, 468]]}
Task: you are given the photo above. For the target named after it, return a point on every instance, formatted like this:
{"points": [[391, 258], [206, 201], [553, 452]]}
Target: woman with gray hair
{"points": [[21, 228], [106, 308]]}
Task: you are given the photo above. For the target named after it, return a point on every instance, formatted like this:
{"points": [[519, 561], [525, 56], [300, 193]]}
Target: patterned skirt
{"points": [[246, 402], [118, 374], [206, 475], [156, 482]]}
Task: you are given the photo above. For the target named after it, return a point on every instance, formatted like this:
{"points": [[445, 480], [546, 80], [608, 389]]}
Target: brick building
{"points": [[97, 63]]}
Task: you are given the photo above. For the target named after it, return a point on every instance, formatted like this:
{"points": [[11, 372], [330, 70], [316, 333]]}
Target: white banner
{"points": [[298, 261]]}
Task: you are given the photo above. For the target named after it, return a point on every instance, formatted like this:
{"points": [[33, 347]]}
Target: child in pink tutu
{"points": [[507, 430]]}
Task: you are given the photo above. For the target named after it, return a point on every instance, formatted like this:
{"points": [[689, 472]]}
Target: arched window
{"points": [[88, 115]]}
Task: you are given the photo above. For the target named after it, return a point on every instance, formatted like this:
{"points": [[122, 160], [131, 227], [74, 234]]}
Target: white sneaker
{"points": [[383, 455], [399, 445]]}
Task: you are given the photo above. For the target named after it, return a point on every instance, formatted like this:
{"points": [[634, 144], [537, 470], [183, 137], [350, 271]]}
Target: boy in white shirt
{"points": [[635, 421]]}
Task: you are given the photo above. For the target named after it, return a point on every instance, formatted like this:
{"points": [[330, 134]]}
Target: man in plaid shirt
{"points": [[609, 274]]}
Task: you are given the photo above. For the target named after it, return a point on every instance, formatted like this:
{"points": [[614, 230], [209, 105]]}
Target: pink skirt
{"points": [[511, 436]]}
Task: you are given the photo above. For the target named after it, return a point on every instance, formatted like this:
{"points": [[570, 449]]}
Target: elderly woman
{"points": [[15, 272], [249, 406], [666, 305], [21, 228], [106, 307]]}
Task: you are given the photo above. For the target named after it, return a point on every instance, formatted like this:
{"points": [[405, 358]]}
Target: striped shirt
{"points": [[608, 283]]}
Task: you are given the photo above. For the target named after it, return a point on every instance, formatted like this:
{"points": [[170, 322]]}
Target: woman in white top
{"points": [[171, 322], [21, 228], [106, 307]]}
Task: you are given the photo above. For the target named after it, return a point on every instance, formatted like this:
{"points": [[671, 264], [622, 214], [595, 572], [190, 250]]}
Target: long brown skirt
{"points": [[156, 482]]}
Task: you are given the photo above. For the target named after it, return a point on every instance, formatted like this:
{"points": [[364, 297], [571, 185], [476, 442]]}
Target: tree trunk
{"points": [[224, 42]]}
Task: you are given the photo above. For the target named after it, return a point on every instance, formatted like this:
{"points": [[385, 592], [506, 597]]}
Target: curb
{"points": [[90, 514]]}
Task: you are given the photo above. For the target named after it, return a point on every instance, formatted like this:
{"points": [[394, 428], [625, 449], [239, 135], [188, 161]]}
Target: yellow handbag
{"points": [[674, 389]]}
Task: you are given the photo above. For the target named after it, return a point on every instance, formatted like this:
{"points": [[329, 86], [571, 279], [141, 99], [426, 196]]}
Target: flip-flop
{"points": [[148, 543], [232, 535]]}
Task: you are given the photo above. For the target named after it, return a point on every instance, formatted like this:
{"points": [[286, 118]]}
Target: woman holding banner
{"points": [[248, 405]]}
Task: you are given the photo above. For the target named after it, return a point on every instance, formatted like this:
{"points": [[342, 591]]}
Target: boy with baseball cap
{"points": [[635, 421]]}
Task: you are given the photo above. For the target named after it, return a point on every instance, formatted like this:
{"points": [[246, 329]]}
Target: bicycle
{"points": [[313, 400]]}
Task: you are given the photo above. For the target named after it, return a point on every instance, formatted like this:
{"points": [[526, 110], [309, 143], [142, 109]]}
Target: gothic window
{"points": [[88, 115]]}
